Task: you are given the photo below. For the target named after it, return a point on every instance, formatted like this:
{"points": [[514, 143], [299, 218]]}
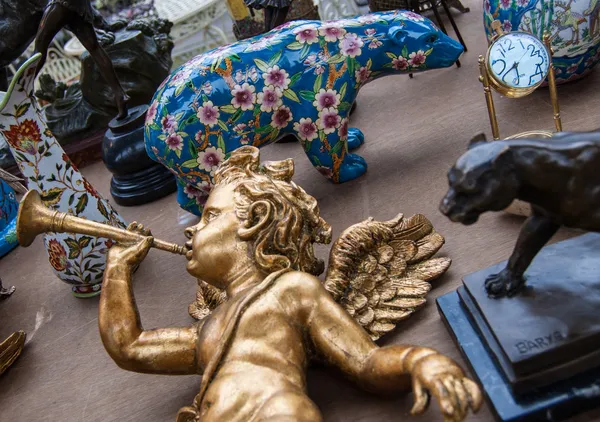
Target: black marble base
{"points": [[136, 178], [143, 186], [552, 403], [551, 330]]}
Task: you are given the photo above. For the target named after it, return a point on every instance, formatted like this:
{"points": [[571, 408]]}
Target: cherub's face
{"points": [[214, 248]]}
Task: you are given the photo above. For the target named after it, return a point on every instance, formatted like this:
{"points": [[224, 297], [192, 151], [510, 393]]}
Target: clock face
{"points": [[518, 60]]}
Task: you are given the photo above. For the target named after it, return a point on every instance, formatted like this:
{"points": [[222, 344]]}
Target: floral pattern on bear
{"points": [[301, 78]]}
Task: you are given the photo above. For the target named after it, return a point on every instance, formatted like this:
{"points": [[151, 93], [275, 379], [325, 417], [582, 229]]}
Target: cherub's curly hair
{"points": [[293, 223]]}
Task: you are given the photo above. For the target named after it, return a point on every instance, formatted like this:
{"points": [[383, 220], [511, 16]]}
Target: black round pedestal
{"points": [[136, 178]]}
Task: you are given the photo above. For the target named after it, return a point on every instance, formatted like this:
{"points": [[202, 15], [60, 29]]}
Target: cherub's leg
{"points": [[534, 234], [289, 406]]}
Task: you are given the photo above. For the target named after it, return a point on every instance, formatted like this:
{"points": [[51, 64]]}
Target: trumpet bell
{"points": [[33, 218]]}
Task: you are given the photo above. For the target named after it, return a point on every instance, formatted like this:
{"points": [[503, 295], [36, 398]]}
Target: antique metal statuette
{"points": [[529, 326], [78, 16], [271, 315], [557, 176]]}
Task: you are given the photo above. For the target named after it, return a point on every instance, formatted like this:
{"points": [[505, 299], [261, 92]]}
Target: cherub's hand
{"points": [[440, 376], [132, 254]]}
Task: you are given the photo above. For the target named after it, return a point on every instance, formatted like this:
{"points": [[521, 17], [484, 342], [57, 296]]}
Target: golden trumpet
{"points": [[34, 218]]}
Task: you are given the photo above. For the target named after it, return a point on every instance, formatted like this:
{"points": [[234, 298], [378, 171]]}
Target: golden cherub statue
{"points": [[255, 242]]}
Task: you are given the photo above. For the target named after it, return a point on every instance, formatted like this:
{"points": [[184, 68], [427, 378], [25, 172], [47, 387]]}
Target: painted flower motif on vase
{"points": [[57, 255], [24, 136], [90, 189], [210, 159]]}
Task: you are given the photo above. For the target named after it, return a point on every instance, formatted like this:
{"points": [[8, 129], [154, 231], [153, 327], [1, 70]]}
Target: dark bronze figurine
{"points": [[275, 11], [78, 16], [559, 177], [19, 20]]}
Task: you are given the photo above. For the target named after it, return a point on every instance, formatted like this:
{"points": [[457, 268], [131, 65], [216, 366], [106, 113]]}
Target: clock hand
{"points": [[518, 76], [515, 64]]}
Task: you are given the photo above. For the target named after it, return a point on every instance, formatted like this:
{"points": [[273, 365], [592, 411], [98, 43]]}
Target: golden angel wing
{"points": [[380, 271], [10, 349]]}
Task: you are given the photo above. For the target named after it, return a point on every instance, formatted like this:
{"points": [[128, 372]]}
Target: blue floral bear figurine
{"points": [[300, 78]]}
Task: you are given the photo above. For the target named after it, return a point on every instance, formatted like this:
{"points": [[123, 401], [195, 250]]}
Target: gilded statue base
{"points": [[536, 353]]}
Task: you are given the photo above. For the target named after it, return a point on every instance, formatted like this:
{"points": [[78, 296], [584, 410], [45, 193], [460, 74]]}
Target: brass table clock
{"points": [[515, 65]]}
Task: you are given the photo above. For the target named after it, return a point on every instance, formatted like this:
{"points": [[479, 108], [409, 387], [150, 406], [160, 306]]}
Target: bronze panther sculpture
{"points": [[559, 177]]}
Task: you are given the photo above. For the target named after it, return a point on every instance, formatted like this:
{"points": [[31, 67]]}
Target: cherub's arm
{"points": [[158, 351], [345, 344]]}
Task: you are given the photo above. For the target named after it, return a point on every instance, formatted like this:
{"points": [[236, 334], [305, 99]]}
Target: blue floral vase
{"points": [[574, 28]]}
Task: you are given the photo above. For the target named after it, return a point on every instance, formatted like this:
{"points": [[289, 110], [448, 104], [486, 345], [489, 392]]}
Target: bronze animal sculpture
{"points": [[558, 176], [79, 17], [275, 11], [18, 26]]}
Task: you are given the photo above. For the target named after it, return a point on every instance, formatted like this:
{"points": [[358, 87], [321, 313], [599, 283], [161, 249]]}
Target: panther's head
{"points": [[483, 179]]}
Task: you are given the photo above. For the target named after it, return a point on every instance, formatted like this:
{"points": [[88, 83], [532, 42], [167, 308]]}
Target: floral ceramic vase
{"points": [[8, 218], [76, 259], [574, 27]]}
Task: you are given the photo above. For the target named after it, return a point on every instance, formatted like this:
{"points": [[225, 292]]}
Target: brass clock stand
{"points": [[484, 78]]}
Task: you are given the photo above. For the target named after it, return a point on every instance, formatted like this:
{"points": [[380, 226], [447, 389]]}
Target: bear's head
{"points": [[483, 179], [415, 44]]}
